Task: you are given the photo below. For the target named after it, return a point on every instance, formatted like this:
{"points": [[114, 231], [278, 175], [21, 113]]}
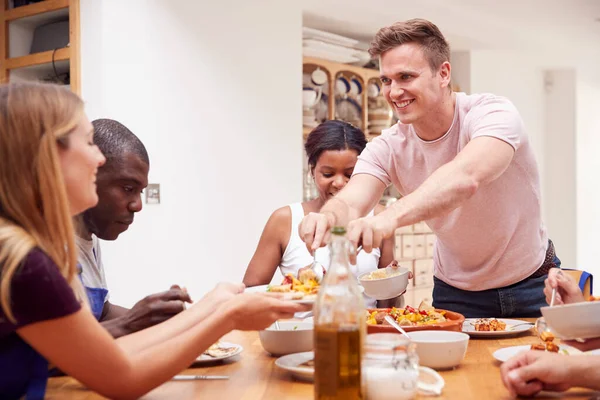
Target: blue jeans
{"points": [[522, 299]]}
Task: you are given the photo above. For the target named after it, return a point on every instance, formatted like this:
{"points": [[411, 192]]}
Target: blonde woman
{"points": [[48, 165]]}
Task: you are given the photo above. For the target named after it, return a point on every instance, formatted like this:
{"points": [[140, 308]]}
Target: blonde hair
{"points": [[35, 120]]}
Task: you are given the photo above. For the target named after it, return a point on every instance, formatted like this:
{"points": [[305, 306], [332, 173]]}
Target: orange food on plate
{"points": [[306, 285], [489, 325], [547, 343], [408, 316]]}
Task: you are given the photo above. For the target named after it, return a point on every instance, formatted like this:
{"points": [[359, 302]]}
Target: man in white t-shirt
{"points": [[120, 182], [464, 164]]}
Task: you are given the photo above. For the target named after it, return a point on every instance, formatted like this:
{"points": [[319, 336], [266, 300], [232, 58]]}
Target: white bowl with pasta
{"points": [[381, 285]]}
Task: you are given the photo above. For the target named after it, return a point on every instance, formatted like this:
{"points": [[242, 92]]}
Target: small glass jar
{"points": [[391, 367]]}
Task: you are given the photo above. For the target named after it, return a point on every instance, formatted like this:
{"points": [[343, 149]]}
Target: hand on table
{"points": [[526, 374]]}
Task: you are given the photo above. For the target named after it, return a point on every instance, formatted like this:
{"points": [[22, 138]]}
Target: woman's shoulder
{"points": [[279, 223], [282, 214]]}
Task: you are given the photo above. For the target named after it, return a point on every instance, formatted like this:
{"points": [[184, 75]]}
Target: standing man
{"points": [[464, 164], [119, 184]]}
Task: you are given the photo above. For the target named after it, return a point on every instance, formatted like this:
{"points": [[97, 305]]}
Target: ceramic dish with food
{"points": [[291, 337], [300, 365], [383, 284], [218, 352], [576, 320], [495, 327], [508, 352], [303, 289], [423, 318]]}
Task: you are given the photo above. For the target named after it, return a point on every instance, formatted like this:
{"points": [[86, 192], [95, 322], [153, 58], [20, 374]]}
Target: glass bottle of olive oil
{"points": [[340, 327]]}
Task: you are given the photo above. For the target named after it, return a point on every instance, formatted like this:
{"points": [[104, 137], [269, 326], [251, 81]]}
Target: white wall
{"points": [[588, 168], [559, 184], [212, 91], [516, 76], [461, 70]]}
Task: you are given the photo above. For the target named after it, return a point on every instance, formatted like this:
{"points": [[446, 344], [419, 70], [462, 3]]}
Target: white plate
{"points": [[508, 352], [206, 359], [291, 363], [577, 320], [468, 327], [263, 289]]}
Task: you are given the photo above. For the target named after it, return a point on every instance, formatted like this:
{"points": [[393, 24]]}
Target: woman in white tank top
{"points": [[332, 149]]}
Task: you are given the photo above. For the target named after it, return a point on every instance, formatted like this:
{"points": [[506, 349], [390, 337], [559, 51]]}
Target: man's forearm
{"points": [[446, 189], [585, 371], [171, 328], [340, 210], [117, 327], [114, 320]]}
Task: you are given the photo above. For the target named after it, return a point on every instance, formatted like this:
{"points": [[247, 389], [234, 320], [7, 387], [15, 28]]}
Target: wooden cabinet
{"points": [[351, 93], [413, 248], [60, 65]]}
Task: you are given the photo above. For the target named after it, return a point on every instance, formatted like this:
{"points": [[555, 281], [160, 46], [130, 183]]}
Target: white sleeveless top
{"points": [[296, 254]]}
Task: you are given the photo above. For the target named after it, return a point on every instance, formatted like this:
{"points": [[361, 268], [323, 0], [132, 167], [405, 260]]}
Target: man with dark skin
{"points": [[120, 183]]}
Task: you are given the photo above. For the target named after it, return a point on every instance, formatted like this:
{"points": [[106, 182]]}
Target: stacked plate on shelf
{"points": [[332, 47]]}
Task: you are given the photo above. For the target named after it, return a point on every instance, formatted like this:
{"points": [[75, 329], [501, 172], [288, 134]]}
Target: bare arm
{"points": [[149, 311], [482, 161], [387, 245], [113, 320], [356, 199], [112, 311], [149, 337], [270, 248], [80, 347]]}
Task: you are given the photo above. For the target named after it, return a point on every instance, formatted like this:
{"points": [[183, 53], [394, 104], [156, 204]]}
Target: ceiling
{"points": [[571, 26]]}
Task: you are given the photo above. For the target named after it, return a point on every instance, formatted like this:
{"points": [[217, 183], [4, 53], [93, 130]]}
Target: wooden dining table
{"points": [[254, 375]]}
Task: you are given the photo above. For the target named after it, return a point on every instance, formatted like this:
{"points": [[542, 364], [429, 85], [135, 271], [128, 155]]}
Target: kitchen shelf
{"points": [[38, 66], [30, 10], [38, 58]]}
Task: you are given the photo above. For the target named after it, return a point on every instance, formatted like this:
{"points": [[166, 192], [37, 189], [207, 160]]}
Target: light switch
{"points": [[153, 193]]}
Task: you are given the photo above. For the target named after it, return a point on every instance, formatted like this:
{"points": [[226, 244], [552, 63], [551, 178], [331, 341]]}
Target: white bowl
{"points": [[386, 288], [440, 349], [577, 320], [293, 337]]}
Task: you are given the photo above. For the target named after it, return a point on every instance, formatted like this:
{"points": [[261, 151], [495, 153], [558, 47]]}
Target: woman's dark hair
{"points": [[333, 135]]}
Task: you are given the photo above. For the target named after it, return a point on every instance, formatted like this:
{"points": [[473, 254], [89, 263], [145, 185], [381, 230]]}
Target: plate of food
{"points": [[495, 327], [300, 365], [546, 344], [302, 289], [425, 317], [219, 351], [508, 352]]}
